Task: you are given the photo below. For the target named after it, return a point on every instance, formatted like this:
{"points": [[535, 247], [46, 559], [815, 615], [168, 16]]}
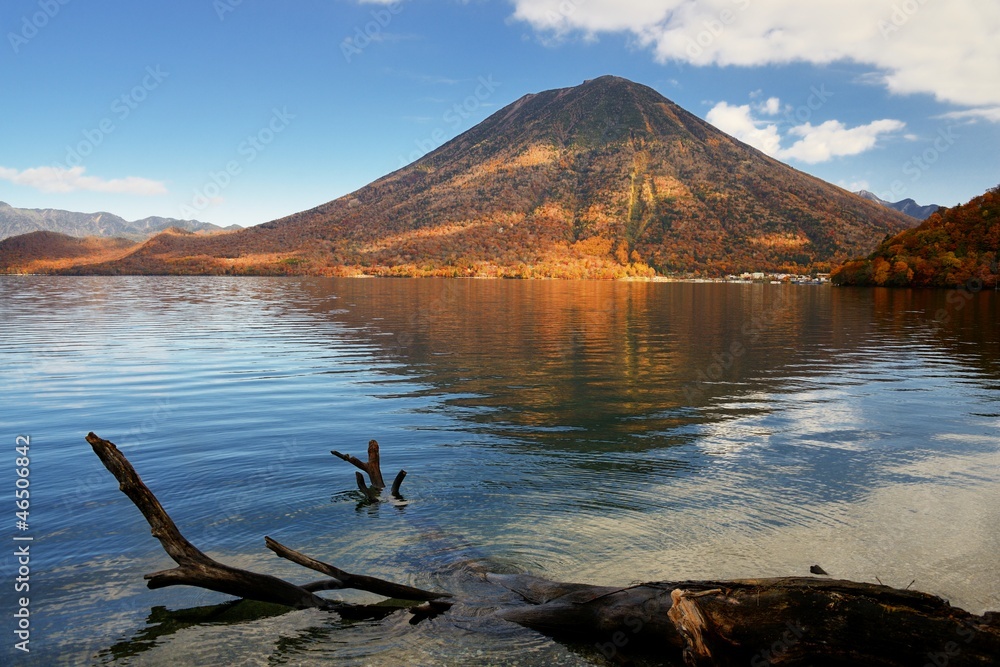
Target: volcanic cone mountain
{"points": [[604, 179]]}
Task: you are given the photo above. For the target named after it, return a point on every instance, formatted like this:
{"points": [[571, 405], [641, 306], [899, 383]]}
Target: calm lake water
{"points": [[588, 431]]}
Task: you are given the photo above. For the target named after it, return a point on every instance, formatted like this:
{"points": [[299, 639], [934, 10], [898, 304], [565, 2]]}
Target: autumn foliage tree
{"points": [[955, 246]]}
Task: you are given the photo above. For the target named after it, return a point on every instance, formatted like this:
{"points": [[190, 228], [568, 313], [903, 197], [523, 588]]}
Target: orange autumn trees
{"points": [[954, 247]]}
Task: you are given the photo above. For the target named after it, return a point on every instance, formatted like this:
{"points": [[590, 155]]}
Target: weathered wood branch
{"points": [[194, 568], [782, 621], [789, 621], [372, 467], [370, 492], [359, 582], [400, 476]]}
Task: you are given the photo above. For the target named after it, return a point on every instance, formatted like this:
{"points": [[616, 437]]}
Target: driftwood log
{"points": [[781, 621], [756, 622], [194, 568]]}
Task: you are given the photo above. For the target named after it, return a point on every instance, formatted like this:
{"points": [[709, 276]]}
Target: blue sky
{"points": [[242, 111]]}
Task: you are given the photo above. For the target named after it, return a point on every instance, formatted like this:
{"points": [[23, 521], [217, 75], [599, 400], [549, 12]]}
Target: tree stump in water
{"points": [[374, 469]]}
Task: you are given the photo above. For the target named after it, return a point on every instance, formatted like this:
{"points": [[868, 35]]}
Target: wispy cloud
{"points": [[61, 179], [982, 113], [812, 144], [738, 121], [948, 49]]}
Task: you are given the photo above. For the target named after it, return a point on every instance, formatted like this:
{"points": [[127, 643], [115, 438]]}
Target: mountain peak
{"points": [[607, 178], [871, 196], [905, 206], [605, 111], [609, 80]]}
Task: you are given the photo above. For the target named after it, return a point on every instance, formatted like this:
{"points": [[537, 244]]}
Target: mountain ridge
{"points": [[16, 221], [606, 179], [906, 206]]}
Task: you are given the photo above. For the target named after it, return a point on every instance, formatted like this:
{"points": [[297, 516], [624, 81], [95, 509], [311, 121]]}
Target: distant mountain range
{"points": [[907, 206], [955, 247], [15, 221], [606, 179]]}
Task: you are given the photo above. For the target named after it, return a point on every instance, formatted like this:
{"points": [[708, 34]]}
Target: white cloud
{"points": [[772, 106], [831, 139], [948, 49], [739, 122], [814, 143], [61, 179], [982, 113]]}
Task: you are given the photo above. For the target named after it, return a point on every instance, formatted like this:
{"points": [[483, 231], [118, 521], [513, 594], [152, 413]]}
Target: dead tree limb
{"points": [[194, 568], [400, 476], [791, 621], [372, 467], [371, 493], [359, 582]]}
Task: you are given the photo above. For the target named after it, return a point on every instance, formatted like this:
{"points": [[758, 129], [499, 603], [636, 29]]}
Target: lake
{"points": [[604, 432]]}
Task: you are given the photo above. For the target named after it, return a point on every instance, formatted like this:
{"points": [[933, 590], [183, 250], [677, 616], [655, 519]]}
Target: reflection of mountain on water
{"points": [[603, 432], [628, 366], [822, 392], [557, 362], [741, 429]]}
